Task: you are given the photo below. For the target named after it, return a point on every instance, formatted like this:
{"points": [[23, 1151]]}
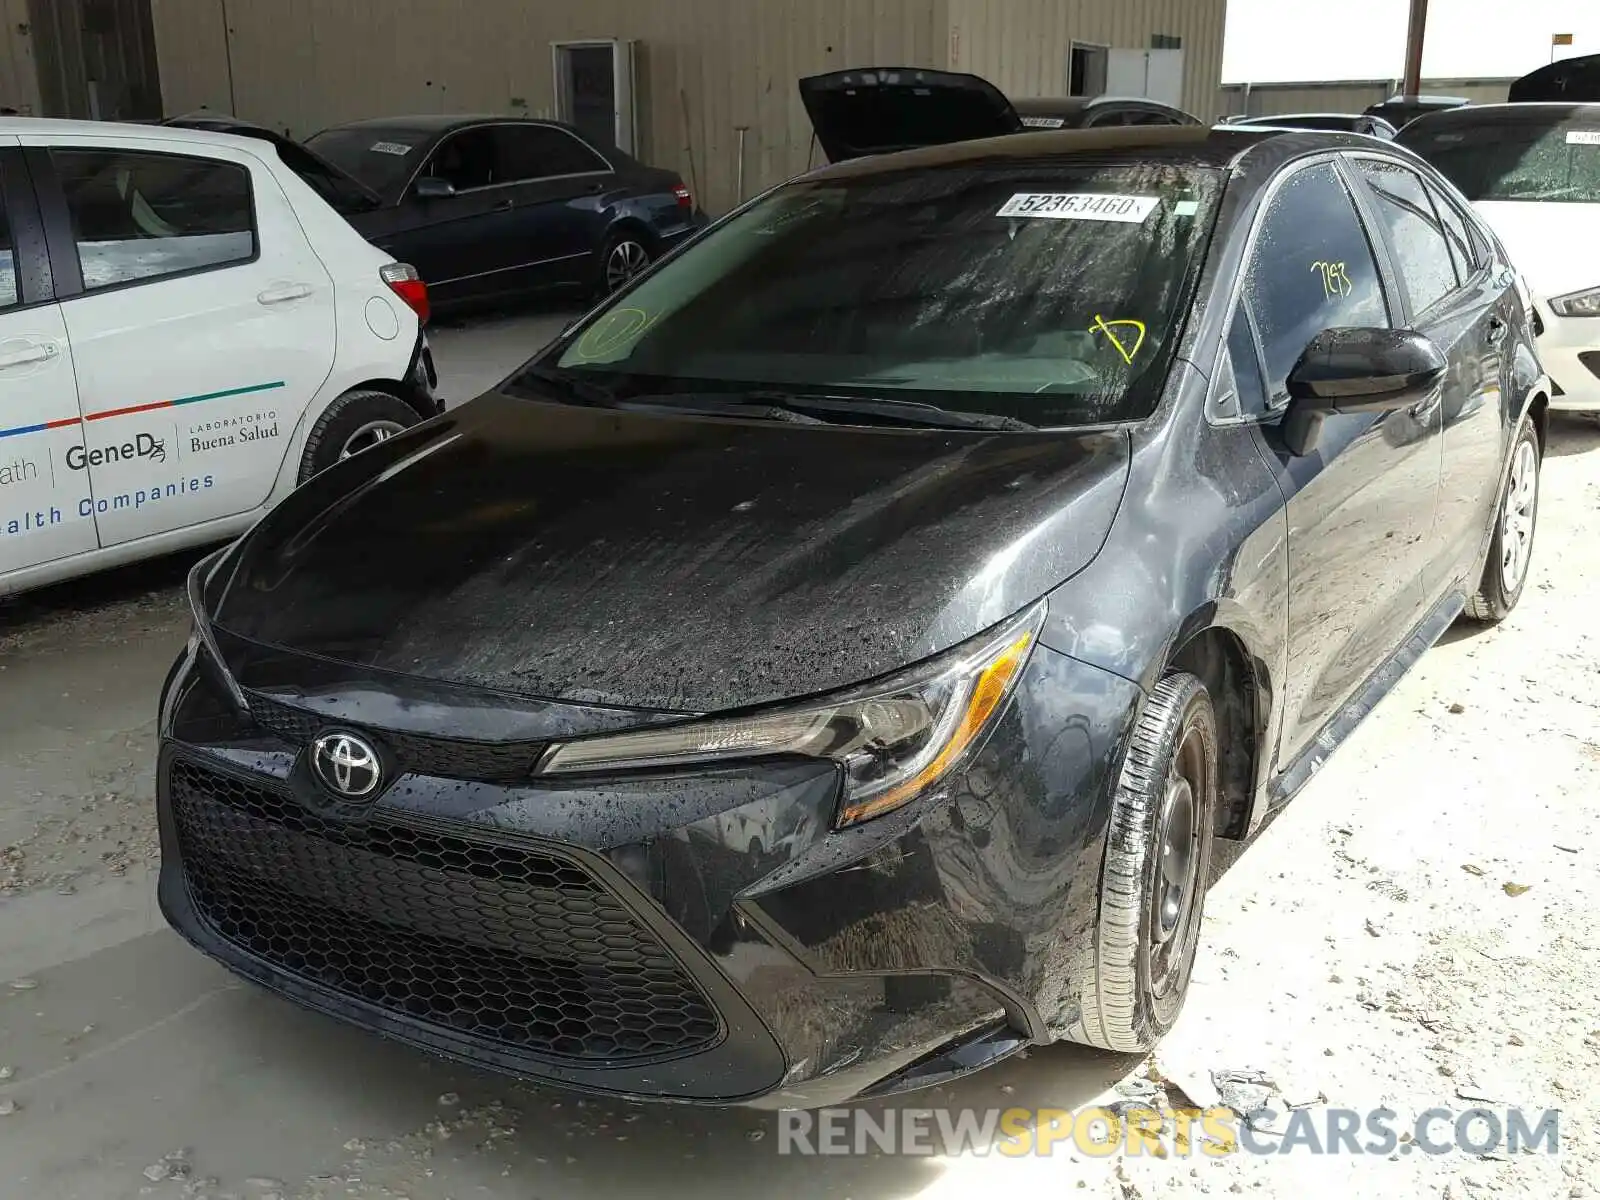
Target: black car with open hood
{"points": [[883, 109], [1569, 81], [826, 668]]}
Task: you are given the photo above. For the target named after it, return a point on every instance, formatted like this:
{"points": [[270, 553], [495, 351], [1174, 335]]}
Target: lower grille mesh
{"points": [[496, 942]]}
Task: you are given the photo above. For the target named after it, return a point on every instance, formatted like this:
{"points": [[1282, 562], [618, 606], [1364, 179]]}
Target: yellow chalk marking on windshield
{"points": [[1101, 325], [613, 330]]}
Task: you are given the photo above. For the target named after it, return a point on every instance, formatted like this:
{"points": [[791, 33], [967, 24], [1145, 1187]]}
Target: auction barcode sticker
{"points": [[1080, 206], [1043, 122], [396, 148], [1583, 137]]}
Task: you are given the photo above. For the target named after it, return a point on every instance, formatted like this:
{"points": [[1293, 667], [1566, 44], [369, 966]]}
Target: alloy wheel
{"points": [[1517, 517], [369, 435], [627, 259]]}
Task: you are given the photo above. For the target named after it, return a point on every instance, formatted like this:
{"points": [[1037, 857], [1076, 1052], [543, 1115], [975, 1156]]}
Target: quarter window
{"points": [[139, 216], [1312, 268], [1422, 253]]}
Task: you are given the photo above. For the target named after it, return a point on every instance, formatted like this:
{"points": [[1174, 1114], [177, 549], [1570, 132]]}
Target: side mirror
{"points": [[1356, 370], [431, 187]]}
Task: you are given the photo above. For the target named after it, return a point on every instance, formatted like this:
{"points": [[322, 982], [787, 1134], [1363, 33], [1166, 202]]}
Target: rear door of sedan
{"points": [[1453, 294], [555, 181]]}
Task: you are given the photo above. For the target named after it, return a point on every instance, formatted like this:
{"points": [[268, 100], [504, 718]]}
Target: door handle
{"points": [[1497, 331], [505, 204], [32, 353], [284, 293]]}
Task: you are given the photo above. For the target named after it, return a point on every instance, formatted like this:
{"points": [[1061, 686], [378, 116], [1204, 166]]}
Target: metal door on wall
{"points": [[594, 83], [96, 59], [1153, 74]]}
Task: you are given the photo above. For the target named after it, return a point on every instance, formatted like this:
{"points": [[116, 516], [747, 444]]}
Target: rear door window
{"points": [[1312, 268], [139, 216], [1464, 248], [525, 152], [1416, 234]]}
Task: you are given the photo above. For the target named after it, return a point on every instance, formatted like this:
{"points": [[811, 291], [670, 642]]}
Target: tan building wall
{"points": [[705, 67], [1024, 45], [1271, 99], [19, 75]]}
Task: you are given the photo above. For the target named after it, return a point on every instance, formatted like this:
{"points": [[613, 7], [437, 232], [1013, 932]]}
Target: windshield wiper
{"points": [[909, 412], [579, 391]]}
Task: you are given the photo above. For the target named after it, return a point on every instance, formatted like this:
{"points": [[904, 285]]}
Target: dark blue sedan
{"points": [[490, 208]]}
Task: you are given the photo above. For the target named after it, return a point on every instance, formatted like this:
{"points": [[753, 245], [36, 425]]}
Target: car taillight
{"points": [[404, 282], [684, 195]]}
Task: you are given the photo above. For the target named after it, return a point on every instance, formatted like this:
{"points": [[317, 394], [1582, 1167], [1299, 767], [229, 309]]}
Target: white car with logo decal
{"points": [[187, 332]]}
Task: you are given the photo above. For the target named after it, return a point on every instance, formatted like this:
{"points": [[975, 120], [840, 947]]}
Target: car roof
{"points": [[1039, 104], [1218, 146], [432, 123], [1300, 116], [1522, 112], [52, 126]]}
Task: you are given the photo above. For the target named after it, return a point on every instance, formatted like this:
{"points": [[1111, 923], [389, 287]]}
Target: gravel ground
{"points": [[1415, 932]]}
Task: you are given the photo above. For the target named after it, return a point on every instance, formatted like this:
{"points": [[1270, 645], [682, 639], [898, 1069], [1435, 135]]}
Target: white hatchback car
{"points": [[1533, 173], [187, 331]]}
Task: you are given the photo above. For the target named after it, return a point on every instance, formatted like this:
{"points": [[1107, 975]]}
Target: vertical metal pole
{"points": [[1414, 37], [742, 131], [227, 49]]}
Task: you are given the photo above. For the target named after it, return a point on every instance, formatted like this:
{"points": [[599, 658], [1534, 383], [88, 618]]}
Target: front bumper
{"points": [[696, 938], [1569, 348]]}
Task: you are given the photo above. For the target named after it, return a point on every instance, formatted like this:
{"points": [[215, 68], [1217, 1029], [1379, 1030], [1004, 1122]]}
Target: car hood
{"points": [[649, 560], [1548, 243], [884, 109]]}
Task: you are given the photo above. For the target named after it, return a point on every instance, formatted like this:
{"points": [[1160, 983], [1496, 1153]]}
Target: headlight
{"points": [[1577, 304], [892, 739], [201, 639]]}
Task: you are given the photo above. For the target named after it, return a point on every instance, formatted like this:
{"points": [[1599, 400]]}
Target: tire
{"points": [[1144, 956], [1515, 520], [623, 255], [351, 423]]}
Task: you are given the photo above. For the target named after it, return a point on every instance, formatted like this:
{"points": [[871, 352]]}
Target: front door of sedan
{"points": [[1467, 312], [1361, 503], [464, 242]]}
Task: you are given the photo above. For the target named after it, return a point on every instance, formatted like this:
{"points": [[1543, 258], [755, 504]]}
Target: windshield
{"points": [[382, 159], [1553, 162], [1047, 294]]}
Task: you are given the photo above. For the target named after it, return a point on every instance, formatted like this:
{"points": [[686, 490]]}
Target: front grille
{"points": [[446, 758], [501, 943]]}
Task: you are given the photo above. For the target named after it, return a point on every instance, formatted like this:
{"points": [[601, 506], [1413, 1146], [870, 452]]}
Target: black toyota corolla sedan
{"points": [[827, 668]]}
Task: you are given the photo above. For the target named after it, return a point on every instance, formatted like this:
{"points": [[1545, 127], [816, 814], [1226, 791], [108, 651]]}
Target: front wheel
{"points": [[1155, 872], [351, 424], [1505, 573]]}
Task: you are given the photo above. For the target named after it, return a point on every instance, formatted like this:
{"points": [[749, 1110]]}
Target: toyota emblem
{"points": [[347, 765]]}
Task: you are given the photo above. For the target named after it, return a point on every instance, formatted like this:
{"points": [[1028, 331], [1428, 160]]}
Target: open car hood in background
{"points": [[1574, 80], [883, 109]]}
